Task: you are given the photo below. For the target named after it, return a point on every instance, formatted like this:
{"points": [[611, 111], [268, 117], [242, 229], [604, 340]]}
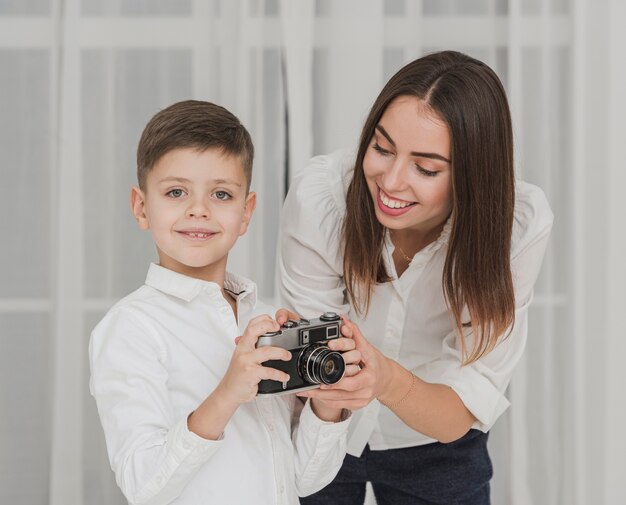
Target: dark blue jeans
{"points": [[457, 473]]}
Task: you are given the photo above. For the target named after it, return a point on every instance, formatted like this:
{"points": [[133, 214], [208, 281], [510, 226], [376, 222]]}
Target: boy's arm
{"points": [[240, 383], [320, 430], [153, 454], [319, 447]]}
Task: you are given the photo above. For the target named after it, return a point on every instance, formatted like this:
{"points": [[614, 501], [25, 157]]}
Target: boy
{"points": [[174, 384]]}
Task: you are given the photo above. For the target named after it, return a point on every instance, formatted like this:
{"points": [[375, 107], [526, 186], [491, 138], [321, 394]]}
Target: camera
{"points": [[312, 363]]}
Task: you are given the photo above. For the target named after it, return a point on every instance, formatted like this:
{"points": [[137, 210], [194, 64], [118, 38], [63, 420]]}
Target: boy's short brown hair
{"points": [[193, 124]]}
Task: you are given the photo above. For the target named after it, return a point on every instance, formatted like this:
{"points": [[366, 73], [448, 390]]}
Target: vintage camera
{"points": [[312, 362]]}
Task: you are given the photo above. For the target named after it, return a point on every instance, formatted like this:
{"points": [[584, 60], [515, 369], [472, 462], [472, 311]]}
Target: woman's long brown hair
{"points": [[470, 98]]}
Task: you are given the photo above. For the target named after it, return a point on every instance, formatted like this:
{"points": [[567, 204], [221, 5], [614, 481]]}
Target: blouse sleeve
{"points": [[481, 385], [310, 259], [153, 454]]}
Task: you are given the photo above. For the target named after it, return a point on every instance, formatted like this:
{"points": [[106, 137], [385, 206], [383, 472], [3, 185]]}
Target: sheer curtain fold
{"points": [[301, 76], [614, 439], [68, 342], [297, 24]]}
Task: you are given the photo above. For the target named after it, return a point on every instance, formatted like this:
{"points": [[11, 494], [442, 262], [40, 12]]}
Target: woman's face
{"points": [[407, 168]]}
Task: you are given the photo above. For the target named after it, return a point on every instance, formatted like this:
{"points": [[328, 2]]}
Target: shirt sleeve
{"points": [[153, 454], [310, 261], [319, 448], [481, 385]]}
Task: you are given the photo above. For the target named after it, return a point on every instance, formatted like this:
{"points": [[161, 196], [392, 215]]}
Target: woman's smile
{"points": [[393, 206]]}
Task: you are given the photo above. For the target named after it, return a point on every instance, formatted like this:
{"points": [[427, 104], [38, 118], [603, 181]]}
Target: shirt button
{"points": [[186, 445], [159, 480], [270, 427], [282, 489]]}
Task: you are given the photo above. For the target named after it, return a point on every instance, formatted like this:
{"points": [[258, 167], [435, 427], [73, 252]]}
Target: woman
{"points": [[427, 242]]}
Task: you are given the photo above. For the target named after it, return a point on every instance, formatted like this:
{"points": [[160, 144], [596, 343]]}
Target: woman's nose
{"points": [[394, 177]]}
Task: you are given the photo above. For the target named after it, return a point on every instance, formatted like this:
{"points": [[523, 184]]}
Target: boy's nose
{"points": [[198, 210]]}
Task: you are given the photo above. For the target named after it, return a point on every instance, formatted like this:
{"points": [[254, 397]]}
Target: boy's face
{"points": [[196, 206]]}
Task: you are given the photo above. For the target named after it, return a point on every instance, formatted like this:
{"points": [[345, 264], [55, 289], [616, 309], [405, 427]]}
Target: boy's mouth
{"points": [[196, 234]]}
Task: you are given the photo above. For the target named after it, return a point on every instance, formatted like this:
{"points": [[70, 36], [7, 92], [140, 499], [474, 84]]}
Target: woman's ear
{"points": [[247, 212], [138, 207]]}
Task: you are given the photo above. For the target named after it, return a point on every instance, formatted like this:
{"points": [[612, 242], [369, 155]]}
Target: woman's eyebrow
{"points": [[434, 156]]}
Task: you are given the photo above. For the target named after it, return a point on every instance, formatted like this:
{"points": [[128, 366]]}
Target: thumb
{"points": [[256, 327], [360, 341], [283, 315]]}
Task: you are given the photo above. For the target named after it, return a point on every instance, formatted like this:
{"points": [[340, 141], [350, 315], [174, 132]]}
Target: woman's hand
{"points": [[352, 357], [328, 410], [364, 380]]}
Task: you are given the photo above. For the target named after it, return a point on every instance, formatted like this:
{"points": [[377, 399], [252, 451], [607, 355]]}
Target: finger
{"points": [[283, 315], [336, 395], [267, 353], [361, 343], [342, 403], [352, 370], [341, 344], [351, 383], [272, 374], [352, 357], [346, 329], [257, 327], [347, 404]]}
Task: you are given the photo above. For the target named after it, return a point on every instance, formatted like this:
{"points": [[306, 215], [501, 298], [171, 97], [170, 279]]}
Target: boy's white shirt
{"points": [[154, 357]]}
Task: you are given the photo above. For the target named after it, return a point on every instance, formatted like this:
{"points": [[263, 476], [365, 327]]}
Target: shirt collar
{"points": [[187, 288]]}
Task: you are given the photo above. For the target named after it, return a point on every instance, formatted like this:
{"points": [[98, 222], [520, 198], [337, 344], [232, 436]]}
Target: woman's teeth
{"points": [[393, 204]]}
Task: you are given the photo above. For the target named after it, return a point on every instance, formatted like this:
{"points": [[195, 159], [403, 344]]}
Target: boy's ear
{"points": [[137, 206], [247, 212]]}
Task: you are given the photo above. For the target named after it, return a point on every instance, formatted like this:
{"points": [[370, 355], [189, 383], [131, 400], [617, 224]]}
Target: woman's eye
{"points": [[379, 149], [175, 193], [221, 195], [427, 173]]}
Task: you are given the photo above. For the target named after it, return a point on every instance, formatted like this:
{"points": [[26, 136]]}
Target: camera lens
{"points": [[319, 365]]}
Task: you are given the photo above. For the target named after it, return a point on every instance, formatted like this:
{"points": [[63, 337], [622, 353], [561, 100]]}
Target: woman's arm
{"points": [[310, 264], [432, 409], [446, 398]]}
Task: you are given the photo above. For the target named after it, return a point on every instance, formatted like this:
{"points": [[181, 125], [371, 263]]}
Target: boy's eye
{"points": [[175, 193], [221, 195]]}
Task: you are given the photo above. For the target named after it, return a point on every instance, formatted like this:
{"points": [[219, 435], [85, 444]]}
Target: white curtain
{"points": [[80, 78]]}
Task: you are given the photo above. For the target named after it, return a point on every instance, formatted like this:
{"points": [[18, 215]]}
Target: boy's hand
{"points": [[240, 383], [283, 315]]}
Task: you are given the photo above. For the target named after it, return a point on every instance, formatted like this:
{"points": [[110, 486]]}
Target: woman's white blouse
{"points": [[154, 357], [408, 319]]}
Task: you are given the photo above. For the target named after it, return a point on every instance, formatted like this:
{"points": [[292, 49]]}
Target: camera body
{"points": [[312, 363]]}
